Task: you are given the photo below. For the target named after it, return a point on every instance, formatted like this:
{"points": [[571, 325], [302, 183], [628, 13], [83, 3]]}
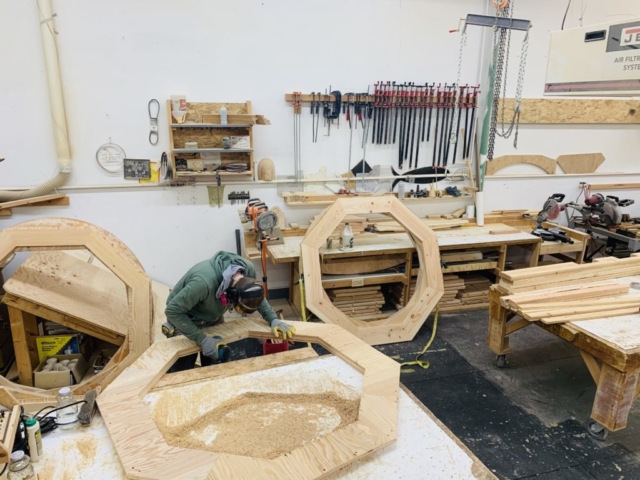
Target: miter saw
{"points": [[602, 211], [550, 211], [265, 224]]}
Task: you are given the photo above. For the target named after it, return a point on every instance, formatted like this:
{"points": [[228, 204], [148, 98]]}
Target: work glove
{"points": [[210, 346], [278, 327]]}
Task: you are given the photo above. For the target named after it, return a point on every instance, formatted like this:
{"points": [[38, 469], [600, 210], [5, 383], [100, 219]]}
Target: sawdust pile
{"points": [[264, 425]]}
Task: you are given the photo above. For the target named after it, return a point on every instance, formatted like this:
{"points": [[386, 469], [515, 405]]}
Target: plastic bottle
{"points": [[35, 439], [20, 467], [67, 418], [346, 237], [223, 116]]}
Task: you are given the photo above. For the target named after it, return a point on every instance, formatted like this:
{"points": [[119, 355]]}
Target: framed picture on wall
{"points": [[137, 169]]}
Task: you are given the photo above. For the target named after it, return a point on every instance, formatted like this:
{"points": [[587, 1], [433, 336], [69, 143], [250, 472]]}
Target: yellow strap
{"points": [[424, 363]]}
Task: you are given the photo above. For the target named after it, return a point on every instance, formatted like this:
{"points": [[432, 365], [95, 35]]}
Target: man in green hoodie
{"points": [[209, 289]]}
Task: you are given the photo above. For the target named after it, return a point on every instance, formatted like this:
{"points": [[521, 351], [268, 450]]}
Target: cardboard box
{"points": [[57, 379], [54, 345]]}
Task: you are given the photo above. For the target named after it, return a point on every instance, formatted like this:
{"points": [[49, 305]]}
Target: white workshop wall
{"points": [[115, 56], [619, 143]]}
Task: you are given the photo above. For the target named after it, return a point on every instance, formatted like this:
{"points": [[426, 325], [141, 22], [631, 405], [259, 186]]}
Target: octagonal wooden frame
{"points": [[403, 325], [145, 454], [69, 234]]}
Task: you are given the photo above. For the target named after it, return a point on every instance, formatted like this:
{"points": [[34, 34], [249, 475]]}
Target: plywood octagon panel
{"points": [[145, 454], [68, 234], [403, 325]]}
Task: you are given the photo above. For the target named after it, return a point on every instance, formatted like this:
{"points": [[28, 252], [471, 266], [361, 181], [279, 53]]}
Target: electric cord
{"points": [[56, 409], [565, 14], [425, 363]]}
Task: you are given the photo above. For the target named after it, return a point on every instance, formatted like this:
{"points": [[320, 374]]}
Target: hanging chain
{"points": [[463, 42], [499, 40]]}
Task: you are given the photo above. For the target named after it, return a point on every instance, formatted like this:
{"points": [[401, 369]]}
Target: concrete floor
{"points": [[523, 421]]}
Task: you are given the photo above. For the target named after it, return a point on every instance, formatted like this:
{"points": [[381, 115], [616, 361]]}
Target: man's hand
{"points": [[278, 326], [210, 346]]}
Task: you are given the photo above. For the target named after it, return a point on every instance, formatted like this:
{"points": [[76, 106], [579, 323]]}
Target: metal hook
{"points": [[153, 120]]}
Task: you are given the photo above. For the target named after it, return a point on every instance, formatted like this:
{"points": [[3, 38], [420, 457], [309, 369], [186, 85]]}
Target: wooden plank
{"points": [[24, 330], [576, 111], [545, 163], [589, 316], [350, 266], [6, 212], [461, 256], [60, 198], [581, 162], [614, 186], [470, 267], [234, 368]]}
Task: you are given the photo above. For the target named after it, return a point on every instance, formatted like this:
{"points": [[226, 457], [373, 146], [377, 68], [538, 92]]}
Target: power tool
{"points": [[599, 210], [224, 352], [550, 211]]}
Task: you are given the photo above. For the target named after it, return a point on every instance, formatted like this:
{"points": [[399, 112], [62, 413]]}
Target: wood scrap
{"points": [[545, 163], [581, 162], [355, 266], [504, 231], [363, 303]]}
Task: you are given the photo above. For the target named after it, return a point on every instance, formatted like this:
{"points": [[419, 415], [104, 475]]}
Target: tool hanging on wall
{"points": [[297, 132], [153, 106], [238, 197]]}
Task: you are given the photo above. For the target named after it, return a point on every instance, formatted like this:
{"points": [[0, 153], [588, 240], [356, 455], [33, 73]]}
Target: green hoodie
{"points": [[192, 304]]}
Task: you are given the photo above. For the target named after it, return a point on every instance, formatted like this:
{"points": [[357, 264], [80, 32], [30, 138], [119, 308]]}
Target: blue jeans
{"points": [[188, 362]]}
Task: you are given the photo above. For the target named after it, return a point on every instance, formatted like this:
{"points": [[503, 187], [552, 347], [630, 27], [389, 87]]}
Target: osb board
{"points": [[545, 163], [195, 110], [580, 162], [577, 111], [133, 429], [206, 137], [72, 287]]}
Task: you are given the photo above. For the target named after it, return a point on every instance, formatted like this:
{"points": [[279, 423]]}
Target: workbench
{"points": [[610, 347], [423, 445], [371, 246]]}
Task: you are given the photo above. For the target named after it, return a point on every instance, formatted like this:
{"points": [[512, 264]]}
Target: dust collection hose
{"points": [[58, 116]]}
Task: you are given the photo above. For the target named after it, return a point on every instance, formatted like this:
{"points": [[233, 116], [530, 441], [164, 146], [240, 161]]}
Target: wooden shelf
{"points": [[341, 281], [203, 125], [332, 198], [462, 308], [209, 125], [212, 150]]}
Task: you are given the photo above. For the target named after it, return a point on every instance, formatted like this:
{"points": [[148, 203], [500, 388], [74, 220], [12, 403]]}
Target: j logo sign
{"points": [[630, 36]]}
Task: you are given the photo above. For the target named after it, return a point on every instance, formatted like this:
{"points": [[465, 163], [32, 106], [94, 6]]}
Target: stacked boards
{"points": [[361, 303], [475, 290], [460, 290], [570, 292]]}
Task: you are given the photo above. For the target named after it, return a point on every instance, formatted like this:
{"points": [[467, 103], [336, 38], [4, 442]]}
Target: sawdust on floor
{"points": [[83, 450], [264, 425]]}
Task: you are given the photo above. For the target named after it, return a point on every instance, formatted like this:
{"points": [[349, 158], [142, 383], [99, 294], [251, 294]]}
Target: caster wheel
{"points": [[501, 361], [596, 430]]}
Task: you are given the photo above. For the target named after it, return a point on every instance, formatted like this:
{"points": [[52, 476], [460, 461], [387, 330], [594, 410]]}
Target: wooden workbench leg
{"points": [[614, 397], [502, 260], [497, 339], [535, 254], [24, 329]]}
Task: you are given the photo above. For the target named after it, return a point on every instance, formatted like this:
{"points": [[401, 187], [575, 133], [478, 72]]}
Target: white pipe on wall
{"points": [[58, 116]]}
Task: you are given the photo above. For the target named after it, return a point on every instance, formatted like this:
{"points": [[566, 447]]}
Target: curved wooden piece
{"points": [[68, 234], [266, 170], [133, 430], [403, 325], [580, 162], [545, 163]]}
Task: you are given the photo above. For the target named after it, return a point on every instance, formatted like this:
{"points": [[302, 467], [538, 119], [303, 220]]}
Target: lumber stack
{"points": [[475, 290], [565, 274], [452, 285], [359, 303], [569, 292], [574, 302], [389, 225]]}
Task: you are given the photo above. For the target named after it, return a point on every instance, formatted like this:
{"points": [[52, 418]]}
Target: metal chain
{"points": [[499, 40], [463, 42]]}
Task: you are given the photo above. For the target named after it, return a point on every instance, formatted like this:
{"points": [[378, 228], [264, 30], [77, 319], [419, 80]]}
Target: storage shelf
{"points": [[209, 125], [341, 282], [212, 150]]}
